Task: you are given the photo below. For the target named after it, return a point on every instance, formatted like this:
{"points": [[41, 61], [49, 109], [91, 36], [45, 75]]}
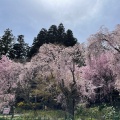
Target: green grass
{"points": [[38, 115], [93, 113], [102, 112]]}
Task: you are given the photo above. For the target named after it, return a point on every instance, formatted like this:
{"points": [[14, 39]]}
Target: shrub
{"points": [[103, 112]]}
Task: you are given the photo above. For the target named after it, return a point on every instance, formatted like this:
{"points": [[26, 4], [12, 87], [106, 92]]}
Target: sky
{"points": [[83, 17]]}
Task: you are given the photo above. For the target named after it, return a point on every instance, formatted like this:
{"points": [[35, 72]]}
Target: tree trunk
{"points": [[12, 111], [70, 108]]}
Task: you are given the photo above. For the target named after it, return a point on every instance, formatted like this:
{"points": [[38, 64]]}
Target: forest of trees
{"points": [[61, 72], [16, 48]]}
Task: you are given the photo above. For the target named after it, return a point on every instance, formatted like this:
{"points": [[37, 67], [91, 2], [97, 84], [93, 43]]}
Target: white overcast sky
{"points": [[83, 17]]}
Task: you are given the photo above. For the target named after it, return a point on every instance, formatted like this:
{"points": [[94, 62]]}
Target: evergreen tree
{"points": [[42, 37], [20, 49], [6, 42], [52, 34], [0, 47], [61, 34], [69, 39], [37, 42]]}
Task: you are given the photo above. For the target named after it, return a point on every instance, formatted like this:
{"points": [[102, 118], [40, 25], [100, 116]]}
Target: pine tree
{"points": [[52, 34], [69, 39], [37, 42], [61, 34], [20, 49], [6, 42]]}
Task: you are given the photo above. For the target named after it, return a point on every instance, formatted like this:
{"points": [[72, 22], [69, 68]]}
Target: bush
{"points": [[28, 106], [103, 112]]}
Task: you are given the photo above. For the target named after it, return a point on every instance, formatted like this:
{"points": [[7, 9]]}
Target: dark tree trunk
{"points": [[12, 112], [70, 108]]}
